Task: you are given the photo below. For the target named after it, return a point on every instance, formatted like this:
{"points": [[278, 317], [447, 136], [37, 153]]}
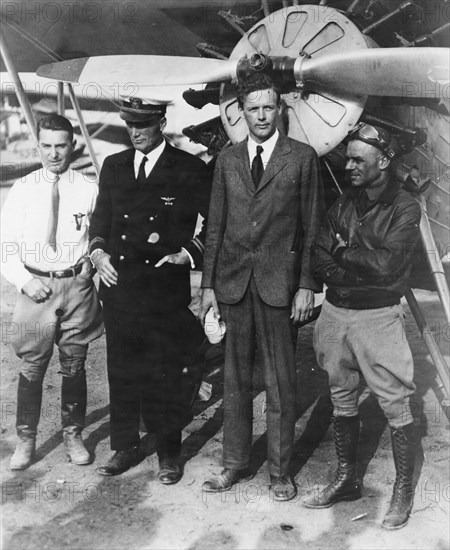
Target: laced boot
{"points": [[404, 450], [29, 398], [346, 485], [73, 413]]}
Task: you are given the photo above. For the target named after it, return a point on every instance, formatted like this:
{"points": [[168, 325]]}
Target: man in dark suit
{"points": [[265, 210], [143, 246]]}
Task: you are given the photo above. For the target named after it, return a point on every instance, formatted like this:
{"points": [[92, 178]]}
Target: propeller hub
{"points": [[280, 45], [259, 61], [280, 68]]}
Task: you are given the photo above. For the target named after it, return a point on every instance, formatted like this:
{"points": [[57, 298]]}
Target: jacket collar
{"points": [[276, 162], [387, 196]]}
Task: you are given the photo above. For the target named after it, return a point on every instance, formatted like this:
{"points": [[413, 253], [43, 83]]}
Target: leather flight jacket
{"points": [[372, 269]]}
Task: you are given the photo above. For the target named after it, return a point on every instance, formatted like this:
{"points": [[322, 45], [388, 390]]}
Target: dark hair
{"points": [[55, 122], [254, 83]]}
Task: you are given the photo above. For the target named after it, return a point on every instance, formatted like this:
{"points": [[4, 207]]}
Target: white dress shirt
{"points": [[24, 224], [152, 158], [268, 147]]}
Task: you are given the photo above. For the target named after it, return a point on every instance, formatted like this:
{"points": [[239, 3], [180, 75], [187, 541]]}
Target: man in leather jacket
{"points": [[363, 255]]}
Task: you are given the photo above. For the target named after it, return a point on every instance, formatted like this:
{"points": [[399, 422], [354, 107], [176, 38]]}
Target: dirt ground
{"points": [[56, 505]]}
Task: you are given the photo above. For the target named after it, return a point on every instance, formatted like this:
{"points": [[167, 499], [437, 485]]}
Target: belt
{"points": [[62, 274]]}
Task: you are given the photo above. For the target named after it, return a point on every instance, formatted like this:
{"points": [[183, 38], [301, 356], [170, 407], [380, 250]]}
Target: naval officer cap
{"points": [[141, 109]]}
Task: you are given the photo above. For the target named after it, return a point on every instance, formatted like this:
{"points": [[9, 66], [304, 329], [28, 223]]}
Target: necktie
{"points": [[141, 177], [257, 166], [54, 214]]}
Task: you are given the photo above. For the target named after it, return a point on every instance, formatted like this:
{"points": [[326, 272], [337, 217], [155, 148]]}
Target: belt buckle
{"points": [[59, 274]]}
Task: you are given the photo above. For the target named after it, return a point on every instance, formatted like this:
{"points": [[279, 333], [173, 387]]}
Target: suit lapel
{"points": [[243, 164], [276, 162]]}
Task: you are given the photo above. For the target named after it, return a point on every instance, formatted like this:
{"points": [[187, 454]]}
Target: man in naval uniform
{"points": [[143, 246]]}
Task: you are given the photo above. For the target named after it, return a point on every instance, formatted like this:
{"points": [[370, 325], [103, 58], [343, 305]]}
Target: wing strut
{"points": [[430, 342], [434, 259], [84, 129], [19, 90], [25, 105]]}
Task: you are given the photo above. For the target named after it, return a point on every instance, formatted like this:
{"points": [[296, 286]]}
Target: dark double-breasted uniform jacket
{"points": [[139, 226]]}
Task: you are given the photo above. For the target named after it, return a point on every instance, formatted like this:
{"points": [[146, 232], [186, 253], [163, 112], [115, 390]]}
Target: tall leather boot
{"points": [[29, 399], [404, 450], [73, 414], [346, 485]]}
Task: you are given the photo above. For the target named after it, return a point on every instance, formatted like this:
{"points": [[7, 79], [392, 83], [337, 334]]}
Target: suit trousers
{"points": [[254, 325], [145, 377]]}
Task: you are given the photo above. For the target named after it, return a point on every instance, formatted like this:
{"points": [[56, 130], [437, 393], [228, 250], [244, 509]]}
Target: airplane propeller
{"points": [[418, 72], [143, 70]]}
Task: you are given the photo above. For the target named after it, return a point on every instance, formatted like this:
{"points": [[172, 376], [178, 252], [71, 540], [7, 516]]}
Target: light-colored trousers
{"points": [[371, 342], [71, 318]]}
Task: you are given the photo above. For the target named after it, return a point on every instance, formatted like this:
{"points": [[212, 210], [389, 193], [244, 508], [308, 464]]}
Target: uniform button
{"points": [[153, 238], [147, 261], [123, 237], [254, 224], [152, 218], [126, 216], [121, 258]]}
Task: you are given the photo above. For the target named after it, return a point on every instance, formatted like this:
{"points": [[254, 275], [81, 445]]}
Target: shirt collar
{"points": [[50, 177], [154, 154], [268, 145]]}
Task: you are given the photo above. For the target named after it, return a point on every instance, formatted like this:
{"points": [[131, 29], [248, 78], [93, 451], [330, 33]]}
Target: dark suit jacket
{"points": [[267, 231], [140, 226]]}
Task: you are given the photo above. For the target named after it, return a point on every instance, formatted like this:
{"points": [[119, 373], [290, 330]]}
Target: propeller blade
{"points": [[143, 70], [408, 72]]}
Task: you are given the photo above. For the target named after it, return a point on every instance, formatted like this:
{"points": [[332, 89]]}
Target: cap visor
{"points": [[139, 117]]}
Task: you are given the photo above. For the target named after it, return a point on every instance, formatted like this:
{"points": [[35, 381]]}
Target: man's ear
{"points": [[384, 161], [74, 142], [162, 123]]}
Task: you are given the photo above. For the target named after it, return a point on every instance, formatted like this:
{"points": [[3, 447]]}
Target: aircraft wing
{"points": [[35, 30]]}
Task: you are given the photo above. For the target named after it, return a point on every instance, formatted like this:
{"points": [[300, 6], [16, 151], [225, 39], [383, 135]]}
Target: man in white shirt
{"points": [[265, 210], [44, 238]]}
